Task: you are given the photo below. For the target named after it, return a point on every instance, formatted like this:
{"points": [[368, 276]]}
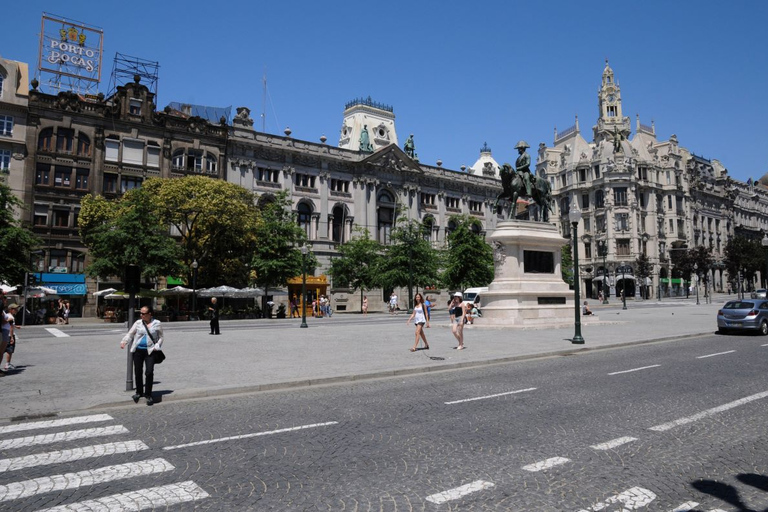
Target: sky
{"points": [[458, 74]]}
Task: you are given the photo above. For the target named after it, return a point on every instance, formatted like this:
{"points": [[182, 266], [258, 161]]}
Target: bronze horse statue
{"points": [[513, 188]]}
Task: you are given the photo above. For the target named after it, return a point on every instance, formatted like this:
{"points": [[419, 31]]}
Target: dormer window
{"points": [[134, 107]]}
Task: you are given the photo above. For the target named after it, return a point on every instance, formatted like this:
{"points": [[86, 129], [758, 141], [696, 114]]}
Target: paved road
{"points": [[676, 425], [81, 366]]}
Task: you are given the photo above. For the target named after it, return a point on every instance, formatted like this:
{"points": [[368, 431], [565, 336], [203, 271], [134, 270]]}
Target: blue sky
{"points": [[458, 74]]}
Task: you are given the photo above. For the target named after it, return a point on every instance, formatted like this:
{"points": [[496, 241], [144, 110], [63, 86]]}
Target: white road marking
{"points": [[152, 498], [636, 369], [764, 345], [631, 499], [686, 507], [61, 456], [489, 396], [57, 332], [64, 422], [709, 412], [718, 354], [458, 492], [62, 436], [613, 443], [45, 484], [546, 464], [246, 436]]}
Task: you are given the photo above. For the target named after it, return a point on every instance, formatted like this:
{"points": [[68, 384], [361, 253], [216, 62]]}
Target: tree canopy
{"points": [[410, 258], [468, 258], [216, 222], [126, 231], [743, 254], [277, 255], [357, 264], [16, 241]]}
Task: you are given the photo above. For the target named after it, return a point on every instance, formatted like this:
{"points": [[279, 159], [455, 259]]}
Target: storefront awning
{"points": [[676, 280], [175, 281]]}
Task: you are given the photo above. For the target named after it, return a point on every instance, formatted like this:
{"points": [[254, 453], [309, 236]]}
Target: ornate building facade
{"points": [[366, 182], [78, 145], [14, 98], [641, 196]]}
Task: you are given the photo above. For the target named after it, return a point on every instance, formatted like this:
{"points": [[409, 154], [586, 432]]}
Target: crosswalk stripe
{"points": [[155, 497], [61, 456], [85, 433], [57, 332], [688, 506], [63, 422], [26, 488]]}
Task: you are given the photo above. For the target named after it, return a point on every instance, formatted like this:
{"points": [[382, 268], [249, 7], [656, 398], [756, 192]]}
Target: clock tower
{"points": [[610, 120]]}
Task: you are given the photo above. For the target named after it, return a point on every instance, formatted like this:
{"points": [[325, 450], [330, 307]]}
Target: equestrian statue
{"points": [[519, 182]]}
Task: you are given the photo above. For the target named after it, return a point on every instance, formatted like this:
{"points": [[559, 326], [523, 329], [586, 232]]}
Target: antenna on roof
{"points": [[264, 102]]}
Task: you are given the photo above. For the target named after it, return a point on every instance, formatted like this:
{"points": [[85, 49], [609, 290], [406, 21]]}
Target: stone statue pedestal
{"points": [[528, 289]]}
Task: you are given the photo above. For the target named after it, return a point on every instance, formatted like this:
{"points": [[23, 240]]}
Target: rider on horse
{"points": [[523, 166]]}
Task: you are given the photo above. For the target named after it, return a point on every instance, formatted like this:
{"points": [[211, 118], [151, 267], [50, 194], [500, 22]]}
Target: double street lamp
{"points": [[603, 245], [623, 285], [194, 290], [304, 252], [696, 272], [765, 250], [575, 216]]}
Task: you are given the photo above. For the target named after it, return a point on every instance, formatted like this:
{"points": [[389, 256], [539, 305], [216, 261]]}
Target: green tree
{"points": [[409, 259], [277, 256], [468, 258], [16, 241], [643, 270], [126, 231], [743, 254], [215, 221], [357, 263], [566, 264]]}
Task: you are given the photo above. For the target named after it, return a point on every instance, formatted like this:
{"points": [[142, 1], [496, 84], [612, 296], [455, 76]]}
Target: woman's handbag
{"points": [[159, 356]]}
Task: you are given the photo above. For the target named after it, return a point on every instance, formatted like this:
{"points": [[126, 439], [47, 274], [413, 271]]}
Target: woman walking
{"points": [[365, 305], [458, 313], [419, 317], [146, 337]]}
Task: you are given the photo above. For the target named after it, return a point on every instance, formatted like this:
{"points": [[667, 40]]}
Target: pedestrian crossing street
{"points": [[38, 434]]}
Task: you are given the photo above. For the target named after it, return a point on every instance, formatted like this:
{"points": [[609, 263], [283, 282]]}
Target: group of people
{"points": [[458, 313], [321, 307]]}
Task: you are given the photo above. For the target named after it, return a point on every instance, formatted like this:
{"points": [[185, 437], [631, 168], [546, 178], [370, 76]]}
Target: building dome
{"points": [[485, 165]]}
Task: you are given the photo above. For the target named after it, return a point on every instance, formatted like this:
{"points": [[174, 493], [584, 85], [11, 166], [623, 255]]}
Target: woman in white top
{"points": [[419, 317], [145, 337]]}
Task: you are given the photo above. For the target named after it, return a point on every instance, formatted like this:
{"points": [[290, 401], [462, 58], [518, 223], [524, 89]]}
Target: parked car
{"points": [[473, 295], [762, 293], [751, 315]]}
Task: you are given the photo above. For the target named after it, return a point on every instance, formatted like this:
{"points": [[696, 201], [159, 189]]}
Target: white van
{"points": [[472, 295]]}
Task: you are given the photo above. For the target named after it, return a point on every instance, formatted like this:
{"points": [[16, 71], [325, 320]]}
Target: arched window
{"points": [[386, 217], [210, 164], [265, 201], [305, 218], [450, 228], [178, 159], [45, 140], [2, 79], [83, 145], [337, 224], [476, 228], [426, 228]]}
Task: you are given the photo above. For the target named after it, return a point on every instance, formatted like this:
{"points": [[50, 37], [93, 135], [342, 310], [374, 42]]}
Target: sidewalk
{"points": [[88, 369]]}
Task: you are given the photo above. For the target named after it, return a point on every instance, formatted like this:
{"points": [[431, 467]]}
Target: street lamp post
{"points": [[194, 290], [575, 216], [603, 244], [765, 250], [304, 251], [623, 285], [743, 283], [696, 272]]}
